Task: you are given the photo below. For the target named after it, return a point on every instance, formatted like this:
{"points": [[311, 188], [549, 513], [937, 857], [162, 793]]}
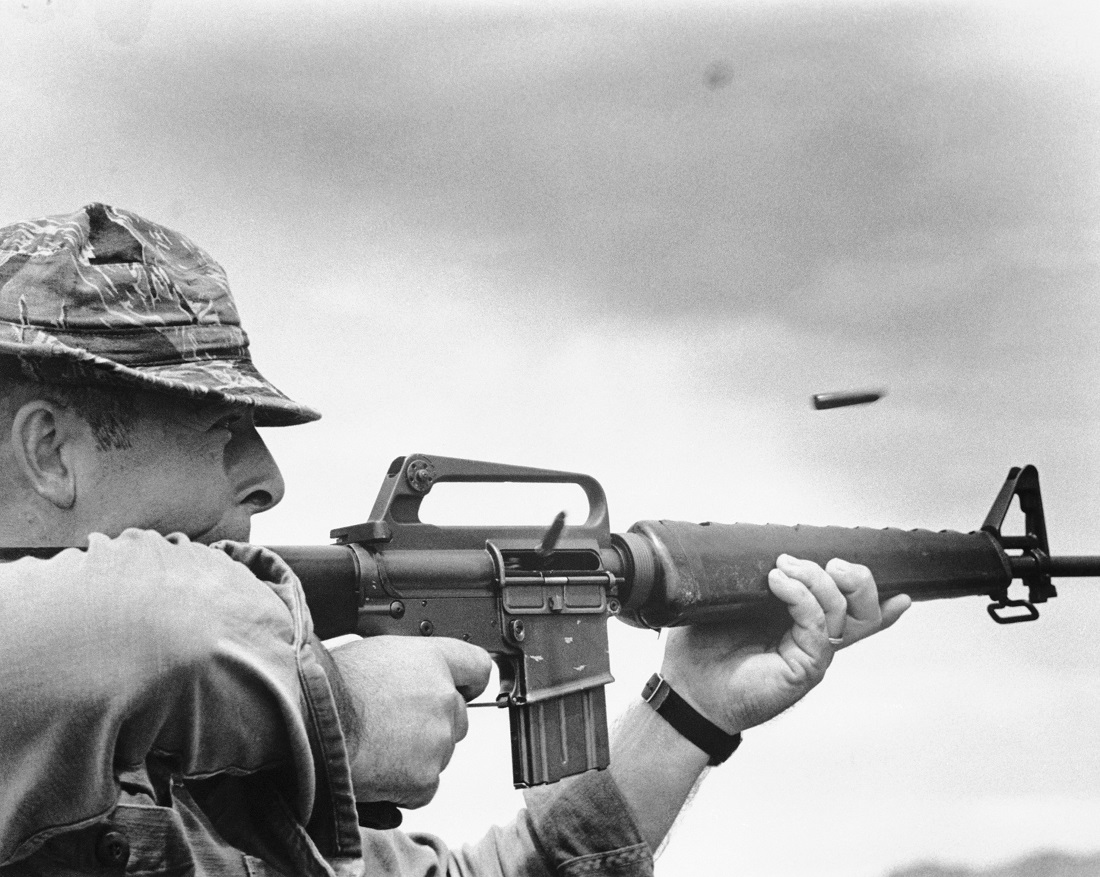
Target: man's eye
{"points": [[227, 422]]}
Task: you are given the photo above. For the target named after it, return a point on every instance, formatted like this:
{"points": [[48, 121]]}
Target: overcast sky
{"points": [[631, 240]]}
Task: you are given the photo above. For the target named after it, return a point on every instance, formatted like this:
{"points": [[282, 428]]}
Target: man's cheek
{"points": [[230, 521]]}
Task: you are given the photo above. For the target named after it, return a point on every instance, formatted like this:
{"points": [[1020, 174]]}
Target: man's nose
{"points": [[257, 479]]}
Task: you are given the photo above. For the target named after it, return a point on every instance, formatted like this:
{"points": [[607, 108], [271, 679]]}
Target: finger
{"points": [[894, 608], [822, 586], [469, 665], [857, 585], [809, 632]]}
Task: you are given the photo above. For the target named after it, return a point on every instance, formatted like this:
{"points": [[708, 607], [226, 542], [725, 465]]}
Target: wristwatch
{"points": [[688, 722]]}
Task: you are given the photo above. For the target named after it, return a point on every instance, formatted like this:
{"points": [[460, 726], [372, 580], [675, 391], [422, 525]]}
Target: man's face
{"points": [[199, 469]]}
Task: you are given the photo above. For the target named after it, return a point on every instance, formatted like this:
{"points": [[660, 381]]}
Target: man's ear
{"points": [[42, 435]]}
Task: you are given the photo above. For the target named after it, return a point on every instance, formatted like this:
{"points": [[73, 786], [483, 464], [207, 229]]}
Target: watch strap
{"points": [[689, 722]]}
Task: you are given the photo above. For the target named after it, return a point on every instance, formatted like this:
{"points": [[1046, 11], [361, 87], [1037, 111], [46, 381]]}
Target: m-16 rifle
{"points": [[538, 600]]}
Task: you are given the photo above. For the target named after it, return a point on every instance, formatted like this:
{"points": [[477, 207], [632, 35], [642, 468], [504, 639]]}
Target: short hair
{"points": [[108, 409]]}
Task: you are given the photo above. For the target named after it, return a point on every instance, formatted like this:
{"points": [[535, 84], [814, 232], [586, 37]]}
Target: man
{"points": [[166, 707]]}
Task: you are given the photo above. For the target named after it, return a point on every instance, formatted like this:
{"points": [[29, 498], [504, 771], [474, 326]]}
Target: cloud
{"points": [[582, 146], [903, 179], [912, 185]]}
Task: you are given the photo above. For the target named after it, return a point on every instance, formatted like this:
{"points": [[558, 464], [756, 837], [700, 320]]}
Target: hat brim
{"points": [[232, 381]]}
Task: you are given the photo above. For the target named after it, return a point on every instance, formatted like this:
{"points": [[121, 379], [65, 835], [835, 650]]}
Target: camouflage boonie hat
{"points": [[105, 295]]}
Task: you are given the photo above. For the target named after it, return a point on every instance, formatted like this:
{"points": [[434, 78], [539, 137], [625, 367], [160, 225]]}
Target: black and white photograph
{"points": [[489, 437]]}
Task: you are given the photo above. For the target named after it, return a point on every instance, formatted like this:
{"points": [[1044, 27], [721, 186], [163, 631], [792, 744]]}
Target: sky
{"points": [[632, 239]]}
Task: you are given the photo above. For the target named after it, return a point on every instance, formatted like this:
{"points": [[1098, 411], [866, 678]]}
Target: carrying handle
{"points": [[395, 517]]}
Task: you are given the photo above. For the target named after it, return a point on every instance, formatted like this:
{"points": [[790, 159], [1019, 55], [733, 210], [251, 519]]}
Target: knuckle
{"points": [[852, 579], [437, 752], [431, 788], [861, 574], [846, 569], [810, 571], [807, 673], [460, 722], [423, 793]]}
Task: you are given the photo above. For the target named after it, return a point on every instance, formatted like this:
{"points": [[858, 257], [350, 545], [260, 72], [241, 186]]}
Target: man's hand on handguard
{"points": [[410, 699], [741, 675]]}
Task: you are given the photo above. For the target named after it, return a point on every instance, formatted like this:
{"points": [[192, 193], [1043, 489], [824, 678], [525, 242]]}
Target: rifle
{"points": [[538, 600]]}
